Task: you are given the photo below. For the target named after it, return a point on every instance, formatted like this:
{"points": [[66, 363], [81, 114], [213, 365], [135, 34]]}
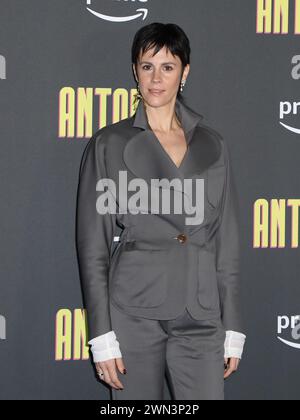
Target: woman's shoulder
{"points": [[117, 130], [210, 134], [210, 131], [108, 139]]}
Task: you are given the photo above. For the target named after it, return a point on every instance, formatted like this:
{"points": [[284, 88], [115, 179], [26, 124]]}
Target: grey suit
{"points": [[161, 266]]}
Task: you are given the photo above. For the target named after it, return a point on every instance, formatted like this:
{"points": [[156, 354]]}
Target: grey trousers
{"points": [[189, 352]]}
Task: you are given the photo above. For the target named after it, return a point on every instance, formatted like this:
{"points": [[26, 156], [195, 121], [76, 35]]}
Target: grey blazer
{"points": [[161, 264]]}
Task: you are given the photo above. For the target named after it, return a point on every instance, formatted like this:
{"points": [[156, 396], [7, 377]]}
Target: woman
{"points": [[161, 288]]}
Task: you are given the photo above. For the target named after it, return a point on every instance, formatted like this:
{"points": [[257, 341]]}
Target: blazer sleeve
{"points": [[94, 238], [228, 252]]}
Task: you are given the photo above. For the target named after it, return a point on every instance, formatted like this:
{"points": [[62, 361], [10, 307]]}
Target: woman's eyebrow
{"points": [[148, 62]]}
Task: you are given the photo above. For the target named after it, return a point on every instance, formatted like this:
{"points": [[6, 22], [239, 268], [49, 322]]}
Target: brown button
{"points": [[181, 238]]}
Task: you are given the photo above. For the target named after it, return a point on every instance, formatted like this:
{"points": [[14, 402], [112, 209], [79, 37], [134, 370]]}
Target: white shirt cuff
{"points": [[234, 344], [105, 347]]}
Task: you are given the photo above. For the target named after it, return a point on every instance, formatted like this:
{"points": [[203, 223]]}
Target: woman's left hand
{"points": [[230, 366]]}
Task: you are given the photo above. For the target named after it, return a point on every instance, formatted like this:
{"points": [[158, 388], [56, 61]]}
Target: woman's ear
{"points": [[134, 72], [186, 71]]}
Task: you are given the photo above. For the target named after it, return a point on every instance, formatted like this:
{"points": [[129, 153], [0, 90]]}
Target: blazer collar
{"points": [[146, 158], [187, 117]]}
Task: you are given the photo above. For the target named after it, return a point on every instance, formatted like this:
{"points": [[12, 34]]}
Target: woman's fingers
{"points": [[114, 376], [120, 365], [225, 362], [108, 368], [232, 366]]}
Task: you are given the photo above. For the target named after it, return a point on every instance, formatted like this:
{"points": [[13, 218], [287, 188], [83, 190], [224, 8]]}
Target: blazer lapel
{"points": [[145, 157]]}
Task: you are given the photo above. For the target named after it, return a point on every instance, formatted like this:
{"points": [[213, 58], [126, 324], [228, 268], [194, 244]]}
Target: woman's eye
{"points": [[147, 66]]}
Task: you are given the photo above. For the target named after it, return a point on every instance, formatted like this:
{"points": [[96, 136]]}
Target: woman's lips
{"points": [[156, 92]]}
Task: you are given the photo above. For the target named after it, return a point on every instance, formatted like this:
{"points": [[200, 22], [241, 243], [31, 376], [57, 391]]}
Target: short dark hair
{"points": [[158, 35]]}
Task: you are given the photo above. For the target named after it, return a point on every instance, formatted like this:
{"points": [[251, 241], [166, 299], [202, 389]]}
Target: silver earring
{"points": [[182, 84]]}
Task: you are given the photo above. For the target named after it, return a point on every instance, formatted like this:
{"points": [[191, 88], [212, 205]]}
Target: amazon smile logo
{"points": [[292, 325], [138, 13], [286, 109]]}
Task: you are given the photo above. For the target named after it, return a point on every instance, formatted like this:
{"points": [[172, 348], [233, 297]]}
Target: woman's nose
{"points": [[156, 76]]}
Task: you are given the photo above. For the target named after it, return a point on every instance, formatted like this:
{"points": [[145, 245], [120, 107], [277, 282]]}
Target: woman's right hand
{"points": [[109, 370]]}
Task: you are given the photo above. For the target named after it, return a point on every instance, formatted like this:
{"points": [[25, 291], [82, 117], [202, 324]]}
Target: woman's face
{"points": [[161, 72]]}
